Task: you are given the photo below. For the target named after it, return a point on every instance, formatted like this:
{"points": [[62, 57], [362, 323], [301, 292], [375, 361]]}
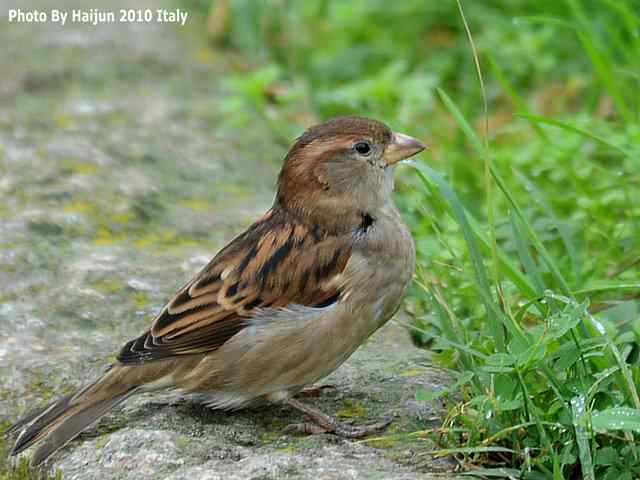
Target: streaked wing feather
{"points": [[278, 261]]}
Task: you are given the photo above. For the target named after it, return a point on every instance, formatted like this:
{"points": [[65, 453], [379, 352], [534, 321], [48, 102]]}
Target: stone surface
{"points": [[119, 179]]}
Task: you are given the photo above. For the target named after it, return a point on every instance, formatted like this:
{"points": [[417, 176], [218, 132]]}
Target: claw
{"points": [[327, 424], [315, 391], [304, 428], [349, 431]]}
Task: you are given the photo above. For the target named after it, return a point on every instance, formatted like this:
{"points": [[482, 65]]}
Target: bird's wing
{"points": [[277, 262]]}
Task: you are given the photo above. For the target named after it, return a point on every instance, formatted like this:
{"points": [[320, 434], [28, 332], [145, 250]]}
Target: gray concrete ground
{"points": [[120, 178]]}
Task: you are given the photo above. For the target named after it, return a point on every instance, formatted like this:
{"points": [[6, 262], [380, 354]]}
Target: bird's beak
{"points": [[401, 147]]}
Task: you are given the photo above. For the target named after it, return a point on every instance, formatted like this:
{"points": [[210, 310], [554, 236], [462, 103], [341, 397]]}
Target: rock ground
{"points": [[118, 180]]}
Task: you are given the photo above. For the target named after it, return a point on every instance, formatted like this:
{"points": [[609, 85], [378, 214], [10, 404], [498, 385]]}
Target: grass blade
{"points": [[508, 267], [496, 317], [574, 129], [620, 418], [533, 236], [449, 451], [517, 100], [563, 230], [580, 419], [525, 256], [494, 472], [471, 135]]}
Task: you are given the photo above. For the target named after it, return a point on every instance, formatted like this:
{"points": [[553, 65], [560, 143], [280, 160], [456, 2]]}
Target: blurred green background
{"points": [[129, 155], [575, 62], [528, 225]]}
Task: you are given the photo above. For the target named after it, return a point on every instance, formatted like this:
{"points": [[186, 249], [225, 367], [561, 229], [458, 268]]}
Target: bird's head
{"points": [[342, 167]]}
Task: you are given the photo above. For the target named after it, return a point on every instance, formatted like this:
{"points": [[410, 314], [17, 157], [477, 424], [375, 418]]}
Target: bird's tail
{"points": [[61, 421]]}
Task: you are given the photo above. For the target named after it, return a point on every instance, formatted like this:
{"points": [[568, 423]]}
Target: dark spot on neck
{"points": [[367, 221]]}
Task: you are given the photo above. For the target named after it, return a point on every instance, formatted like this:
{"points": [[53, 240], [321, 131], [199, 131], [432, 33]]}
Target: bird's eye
{"points": [[363, 148]]}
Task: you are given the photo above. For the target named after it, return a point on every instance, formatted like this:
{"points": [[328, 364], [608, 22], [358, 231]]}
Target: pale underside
{"points": [[316, 340], [279, 350]]}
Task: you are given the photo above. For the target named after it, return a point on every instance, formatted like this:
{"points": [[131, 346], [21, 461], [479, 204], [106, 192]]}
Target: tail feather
{"points": [[20, 424], [63, 420], [72, 424], [33, 424]]}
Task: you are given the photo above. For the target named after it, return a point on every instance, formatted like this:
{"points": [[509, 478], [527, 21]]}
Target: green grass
{"points": [[528, 280], [12, 469]]}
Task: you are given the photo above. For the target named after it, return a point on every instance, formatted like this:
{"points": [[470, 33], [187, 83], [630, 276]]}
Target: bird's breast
{"points": [[287, 348], [381, 266]]}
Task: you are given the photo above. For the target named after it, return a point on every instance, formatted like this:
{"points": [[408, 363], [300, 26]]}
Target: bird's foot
{"points": [[304, 428], [324, 423], [315, 391], [340, 429], [359, 431]]}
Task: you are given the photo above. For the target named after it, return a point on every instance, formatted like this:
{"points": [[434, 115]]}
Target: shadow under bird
{"points": [[282, 305]]}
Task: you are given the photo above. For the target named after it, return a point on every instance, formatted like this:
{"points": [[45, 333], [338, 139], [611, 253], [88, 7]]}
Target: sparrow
{"points": [[281, 306]]}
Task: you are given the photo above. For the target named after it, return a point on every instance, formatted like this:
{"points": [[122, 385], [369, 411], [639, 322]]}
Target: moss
{"points": [[44, 228], [122, 218], [112, 422], [352, 409], [42, 390], [105, 237], [107, 285], [102, 441], [46, 388], [6, 297], [272, 432], [238, 190], [268, 438], [140, 300], [413, 372], [206, 56], [79, 206], [382, 442], [183, 442], [5, 393], [79, 167], [147, 241], [63, 120], [164, 240], [289, 448], [196, 204], [19, 469], [147, 208], [8, 268]]}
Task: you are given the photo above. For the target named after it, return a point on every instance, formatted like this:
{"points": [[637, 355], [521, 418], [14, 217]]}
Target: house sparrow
{"points": [[283, 304]]}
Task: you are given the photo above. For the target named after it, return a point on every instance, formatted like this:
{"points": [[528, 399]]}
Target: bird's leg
{"points": [[327, 424], [315, 391]]}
